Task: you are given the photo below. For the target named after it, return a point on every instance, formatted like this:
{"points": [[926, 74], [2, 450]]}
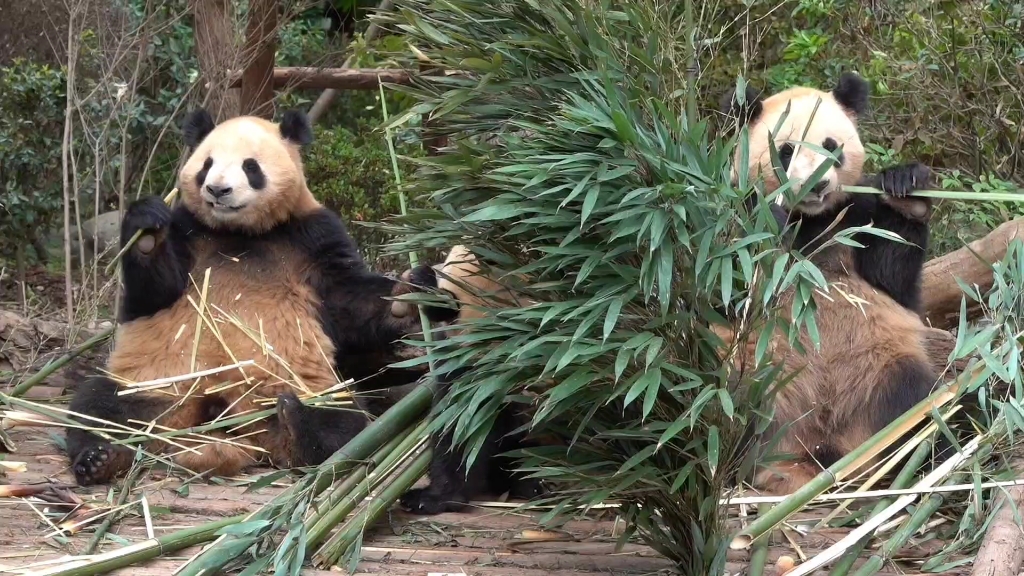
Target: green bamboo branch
{"points": [[902, 480], [827, 478], [391, 423], [759, 557], [358, 485], [57, 364], [895, 543], [946, 194], [141, 552], [138, 233], [126, 488], [343, 543]]}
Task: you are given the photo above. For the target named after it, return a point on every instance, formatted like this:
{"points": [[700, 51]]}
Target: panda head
{"points": [[245, 174], [827, 120]]}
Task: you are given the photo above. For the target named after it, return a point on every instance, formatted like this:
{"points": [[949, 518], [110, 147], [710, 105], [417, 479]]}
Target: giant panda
{"points": [[287, 290], [451, 486], [888, 265], [874, 360]]}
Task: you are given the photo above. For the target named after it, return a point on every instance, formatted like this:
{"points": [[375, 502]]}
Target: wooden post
{"points": [[260, 51], [217, 52]]}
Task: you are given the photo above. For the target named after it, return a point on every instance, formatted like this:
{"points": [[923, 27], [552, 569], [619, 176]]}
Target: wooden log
{"points": [[260, 50], [305, 77], [972, 264], [1002, 550]]}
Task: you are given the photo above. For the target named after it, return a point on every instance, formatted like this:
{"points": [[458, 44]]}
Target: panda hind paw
{"points": [[98, 464], [527, 489], [426, 501]]}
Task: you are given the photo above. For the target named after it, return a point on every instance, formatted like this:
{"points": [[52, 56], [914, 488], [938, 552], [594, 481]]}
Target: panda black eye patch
{"points": [[831, 145], [257, 180], [201, 175], [786, 155]]}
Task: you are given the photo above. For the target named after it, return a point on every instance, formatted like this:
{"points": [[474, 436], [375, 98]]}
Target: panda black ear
{"points": [[749, 110], [296, 128], [852, 93], [197, 127]]}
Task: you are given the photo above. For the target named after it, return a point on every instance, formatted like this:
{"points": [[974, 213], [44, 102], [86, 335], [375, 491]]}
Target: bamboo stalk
{"points": [[910, 526], [57, 364], [140, 552], [902, 480], [828, 478], [759, 557], [343, 541], [969, 453], [126, 488], [946, 194], [357, 487], [391, 423]]}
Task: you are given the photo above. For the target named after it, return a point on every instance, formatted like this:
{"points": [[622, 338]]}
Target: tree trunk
{"points": [[260, 50], [217, 51], [940, 290]]}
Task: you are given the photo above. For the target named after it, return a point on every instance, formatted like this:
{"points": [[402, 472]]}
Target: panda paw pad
{"points": [[95, 465]]}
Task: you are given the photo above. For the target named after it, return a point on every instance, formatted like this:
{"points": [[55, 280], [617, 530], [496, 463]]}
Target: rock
{"points": [[22, 340]]}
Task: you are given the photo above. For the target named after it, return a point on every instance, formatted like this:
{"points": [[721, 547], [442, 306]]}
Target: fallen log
{"points": [[1002, 550], [972, 264], [312, 78]]}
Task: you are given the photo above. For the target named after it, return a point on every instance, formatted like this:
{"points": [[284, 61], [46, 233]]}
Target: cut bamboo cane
{"points": [[131, 241], [342, 543], [902, 480], [358, 485], [140, 552], [856, 458], [57, 364], [370, 439], [896, 542], [947, 194]]}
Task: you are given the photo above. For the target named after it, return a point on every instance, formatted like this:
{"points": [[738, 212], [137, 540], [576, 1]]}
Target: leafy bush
{"points": [[354, 177], [31, 129], [576, 173]]}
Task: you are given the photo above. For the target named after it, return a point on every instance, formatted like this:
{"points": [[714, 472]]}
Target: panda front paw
{"points": [[901, 181], [526, 489], [98, 464], [419, 279], [150, 215], [425, 501]]}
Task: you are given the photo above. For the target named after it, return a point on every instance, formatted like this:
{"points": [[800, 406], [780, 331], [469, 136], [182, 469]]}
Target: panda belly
{"points": [[258, 308]]}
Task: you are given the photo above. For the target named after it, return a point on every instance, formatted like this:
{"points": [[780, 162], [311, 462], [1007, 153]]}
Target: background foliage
{"points": [[950, 77]]}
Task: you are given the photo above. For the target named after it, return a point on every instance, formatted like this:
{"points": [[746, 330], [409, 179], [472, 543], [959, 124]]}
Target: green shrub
{"points": [[354, 177], [31, 129]]}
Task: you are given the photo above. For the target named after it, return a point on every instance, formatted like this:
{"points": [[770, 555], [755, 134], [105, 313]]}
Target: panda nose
{"points": [[819, 187], [218, 191]]}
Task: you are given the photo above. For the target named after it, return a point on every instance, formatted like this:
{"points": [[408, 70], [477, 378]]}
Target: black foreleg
{"points": [[155, 269], [892, 266]]}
